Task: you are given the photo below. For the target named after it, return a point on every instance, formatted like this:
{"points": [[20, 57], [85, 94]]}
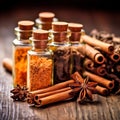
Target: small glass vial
{"points": [[74, 38], [40, 63], [20, 47], [45, 20], [61, 49]]}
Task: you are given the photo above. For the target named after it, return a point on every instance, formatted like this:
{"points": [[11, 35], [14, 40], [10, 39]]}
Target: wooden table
{"points": [[103, 108]]}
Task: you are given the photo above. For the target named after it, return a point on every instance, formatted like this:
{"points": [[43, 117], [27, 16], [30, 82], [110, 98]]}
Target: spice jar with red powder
{"points": [[40, 63], [21, 44]]}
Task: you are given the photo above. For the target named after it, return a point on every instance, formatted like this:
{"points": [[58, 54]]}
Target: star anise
{"points": [[19, 93], [84, 89]]}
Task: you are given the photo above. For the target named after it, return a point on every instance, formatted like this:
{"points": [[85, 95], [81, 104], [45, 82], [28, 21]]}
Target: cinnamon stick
{"points": [[54, 87], [101, 71], [100, 80], [108, 48], [115, 57], [77, 77], [7, 64], [31, 94], [54, 98], [88, 64], [102, 90], [39, 96], [94, 54]]}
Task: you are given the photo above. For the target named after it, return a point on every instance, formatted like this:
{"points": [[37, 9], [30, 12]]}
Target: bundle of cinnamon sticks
{"points": [[107, 67]]}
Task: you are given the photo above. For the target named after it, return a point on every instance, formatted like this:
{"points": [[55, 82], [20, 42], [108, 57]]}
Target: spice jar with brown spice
{"points": [[61, 49], [21, 44], [77, 58], [40, 63]]}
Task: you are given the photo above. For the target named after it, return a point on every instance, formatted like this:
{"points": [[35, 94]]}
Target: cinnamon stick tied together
{"points": [[100, 80], [108, 48]]}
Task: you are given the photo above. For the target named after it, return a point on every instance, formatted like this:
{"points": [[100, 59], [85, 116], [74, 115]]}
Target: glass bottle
{"points": [[45, 20], [77, 58], [20, 47], [61, 49], [40, 63]]}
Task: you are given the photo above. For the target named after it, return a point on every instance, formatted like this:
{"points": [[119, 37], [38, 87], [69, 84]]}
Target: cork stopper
{"points": [[25, 25], [40, 34], [75, 27], [46, 16], [59, 26]]}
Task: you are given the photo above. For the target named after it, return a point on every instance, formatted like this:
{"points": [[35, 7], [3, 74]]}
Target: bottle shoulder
{"points": [[17, 42]]}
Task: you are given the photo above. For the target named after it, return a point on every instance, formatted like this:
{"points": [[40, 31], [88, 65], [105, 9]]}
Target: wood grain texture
{"points": [[103, 108]]}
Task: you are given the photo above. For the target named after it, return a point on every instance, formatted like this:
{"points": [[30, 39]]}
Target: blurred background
{"points": [[99, 14]]}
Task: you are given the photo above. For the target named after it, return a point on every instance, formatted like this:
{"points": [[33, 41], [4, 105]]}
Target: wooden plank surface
{"points": [[103, 108]]}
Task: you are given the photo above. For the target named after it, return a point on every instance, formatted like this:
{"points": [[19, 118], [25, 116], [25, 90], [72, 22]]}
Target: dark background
{"points": [[99, 14]]}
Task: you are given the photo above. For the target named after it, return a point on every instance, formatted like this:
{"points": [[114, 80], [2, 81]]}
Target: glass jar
{"points": [[40, 63], [45, 20], [61, 49], [20, 47], [77, 58]]}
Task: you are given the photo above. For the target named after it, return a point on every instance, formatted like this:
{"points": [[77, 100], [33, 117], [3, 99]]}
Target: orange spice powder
{"points": [[20, 71], [40, 73]]}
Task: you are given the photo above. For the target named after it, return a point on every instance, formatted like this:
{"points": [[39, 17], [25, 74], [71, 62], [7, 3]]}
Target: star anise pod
{"points": [[84, 90], [19, 93]]}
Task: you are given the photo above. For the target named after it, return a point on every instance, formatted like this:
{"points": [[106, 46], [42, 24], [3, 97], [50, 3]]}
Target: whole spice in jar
{"points": [[40, 63]]}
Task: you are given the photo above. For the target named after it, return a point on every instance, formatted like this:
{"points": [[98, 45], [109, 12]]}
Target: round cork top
{"points": [[75, 27], [40, 34], [46, 16], [59, 26], [26, 25]]}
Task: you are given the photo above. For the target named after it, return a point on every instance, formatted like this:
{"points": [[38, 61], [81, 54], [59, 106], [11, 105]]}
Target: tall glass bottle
{"points": [[20, 47], [60, 47], [40, 63], [45, 20], [75, 30]]}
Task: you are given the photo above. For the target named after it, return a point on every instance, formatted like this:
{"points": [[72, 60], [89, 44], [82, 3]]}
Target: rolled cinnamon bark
{"points": [[39, 96], [108, 48], [94, 54], [88, 64], [115, 57], [77, 77], [102, 90], [100, 80], [101, 71], [7, 64], [54, 98]]}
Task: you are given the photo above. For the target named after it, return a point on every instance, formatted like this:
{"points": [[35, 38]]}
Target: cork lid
{"points": [[75, 27], [59, 26], [40, 34], [46, 16], [26, 25]]}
